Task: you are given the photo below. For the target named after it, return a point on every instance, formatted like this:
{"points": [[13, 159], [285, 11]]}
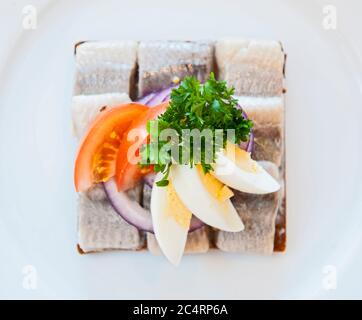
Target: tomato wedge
{"points": [[96, 157], [128, 172]]}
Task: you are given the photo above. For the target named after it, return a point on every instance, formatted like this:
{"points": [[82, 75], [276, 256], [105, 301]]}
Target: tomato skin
{"points": [[128, 172], [116, 119]]}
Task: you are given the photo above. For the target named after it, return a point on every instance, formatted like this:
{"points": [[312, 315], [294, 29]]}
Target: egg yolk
{"points": [[215, 187], [176, 208], [242, 158]]}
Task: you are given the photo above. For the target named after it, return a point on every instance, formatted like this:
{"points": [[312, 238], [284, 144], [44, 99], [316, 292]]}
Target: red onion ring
{"points": [[155, 98], [149, 179], [146, 99], [249, 147], [160, 97]]}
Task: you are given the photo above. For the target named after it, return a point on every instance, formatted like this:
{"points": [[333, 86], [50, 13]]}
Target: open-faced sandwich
{"points": [[181, 146]]}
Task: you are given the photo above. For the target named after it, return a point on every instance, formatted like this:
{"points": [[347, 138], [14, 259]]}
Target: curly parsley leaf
{"points": [[209, 106]]}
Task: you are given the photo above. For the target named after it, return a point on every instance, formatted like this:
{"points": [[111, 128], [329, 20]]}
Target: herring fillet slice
{"points": [[161, 62], [263, 110], [101, 228], [258, 213], [85, 108], [105, 67], [269, 144], [267, 114], [254, 68]]}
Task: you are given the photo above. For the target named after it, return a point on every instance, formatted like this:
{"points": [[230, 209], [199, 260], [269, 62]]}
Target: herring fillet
{"points": [[160, 62], [269, 144], [265, 111], [105, 67], [101, 228], [267, 114], [254, 68], [258, 212], [85, 108]]}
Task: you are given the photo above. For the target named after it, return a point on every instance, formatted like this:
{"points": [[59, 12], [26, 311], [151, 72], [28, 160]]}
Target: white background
{"points": [[324, 151]]}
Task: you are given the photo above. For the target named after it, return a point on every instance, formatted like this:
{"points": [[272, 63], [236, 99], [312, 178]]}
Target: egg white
{"points": [[257, 182], [170, 235], [194, 195]]}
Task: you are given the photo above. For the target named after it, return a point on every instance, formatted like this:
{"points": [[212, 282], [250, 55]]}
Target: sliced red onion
{"points": [[146, 99], [132, 212], [128, 209], [160, 97], [168, 97], [149, 179], [249, 145], [195, 224], [155, 98]]}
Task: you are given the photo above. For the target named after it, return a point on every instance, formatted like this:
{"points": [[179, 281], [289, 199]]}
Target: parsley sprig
{"points": [[194, 106]]}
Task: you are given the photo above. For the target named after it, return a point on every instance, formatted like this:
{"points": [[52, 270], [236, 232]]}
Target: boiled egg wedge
{"points": [[235, 168], [171, 221], [205, 197]]}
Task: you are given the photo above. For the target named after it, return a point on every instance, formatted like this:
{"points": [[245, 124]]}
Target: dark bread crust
{"points": [[280, 239]]}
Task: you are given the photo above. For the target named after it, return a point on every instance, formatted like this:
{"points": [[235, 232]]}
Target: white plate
{"points": [[38, 258]]}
